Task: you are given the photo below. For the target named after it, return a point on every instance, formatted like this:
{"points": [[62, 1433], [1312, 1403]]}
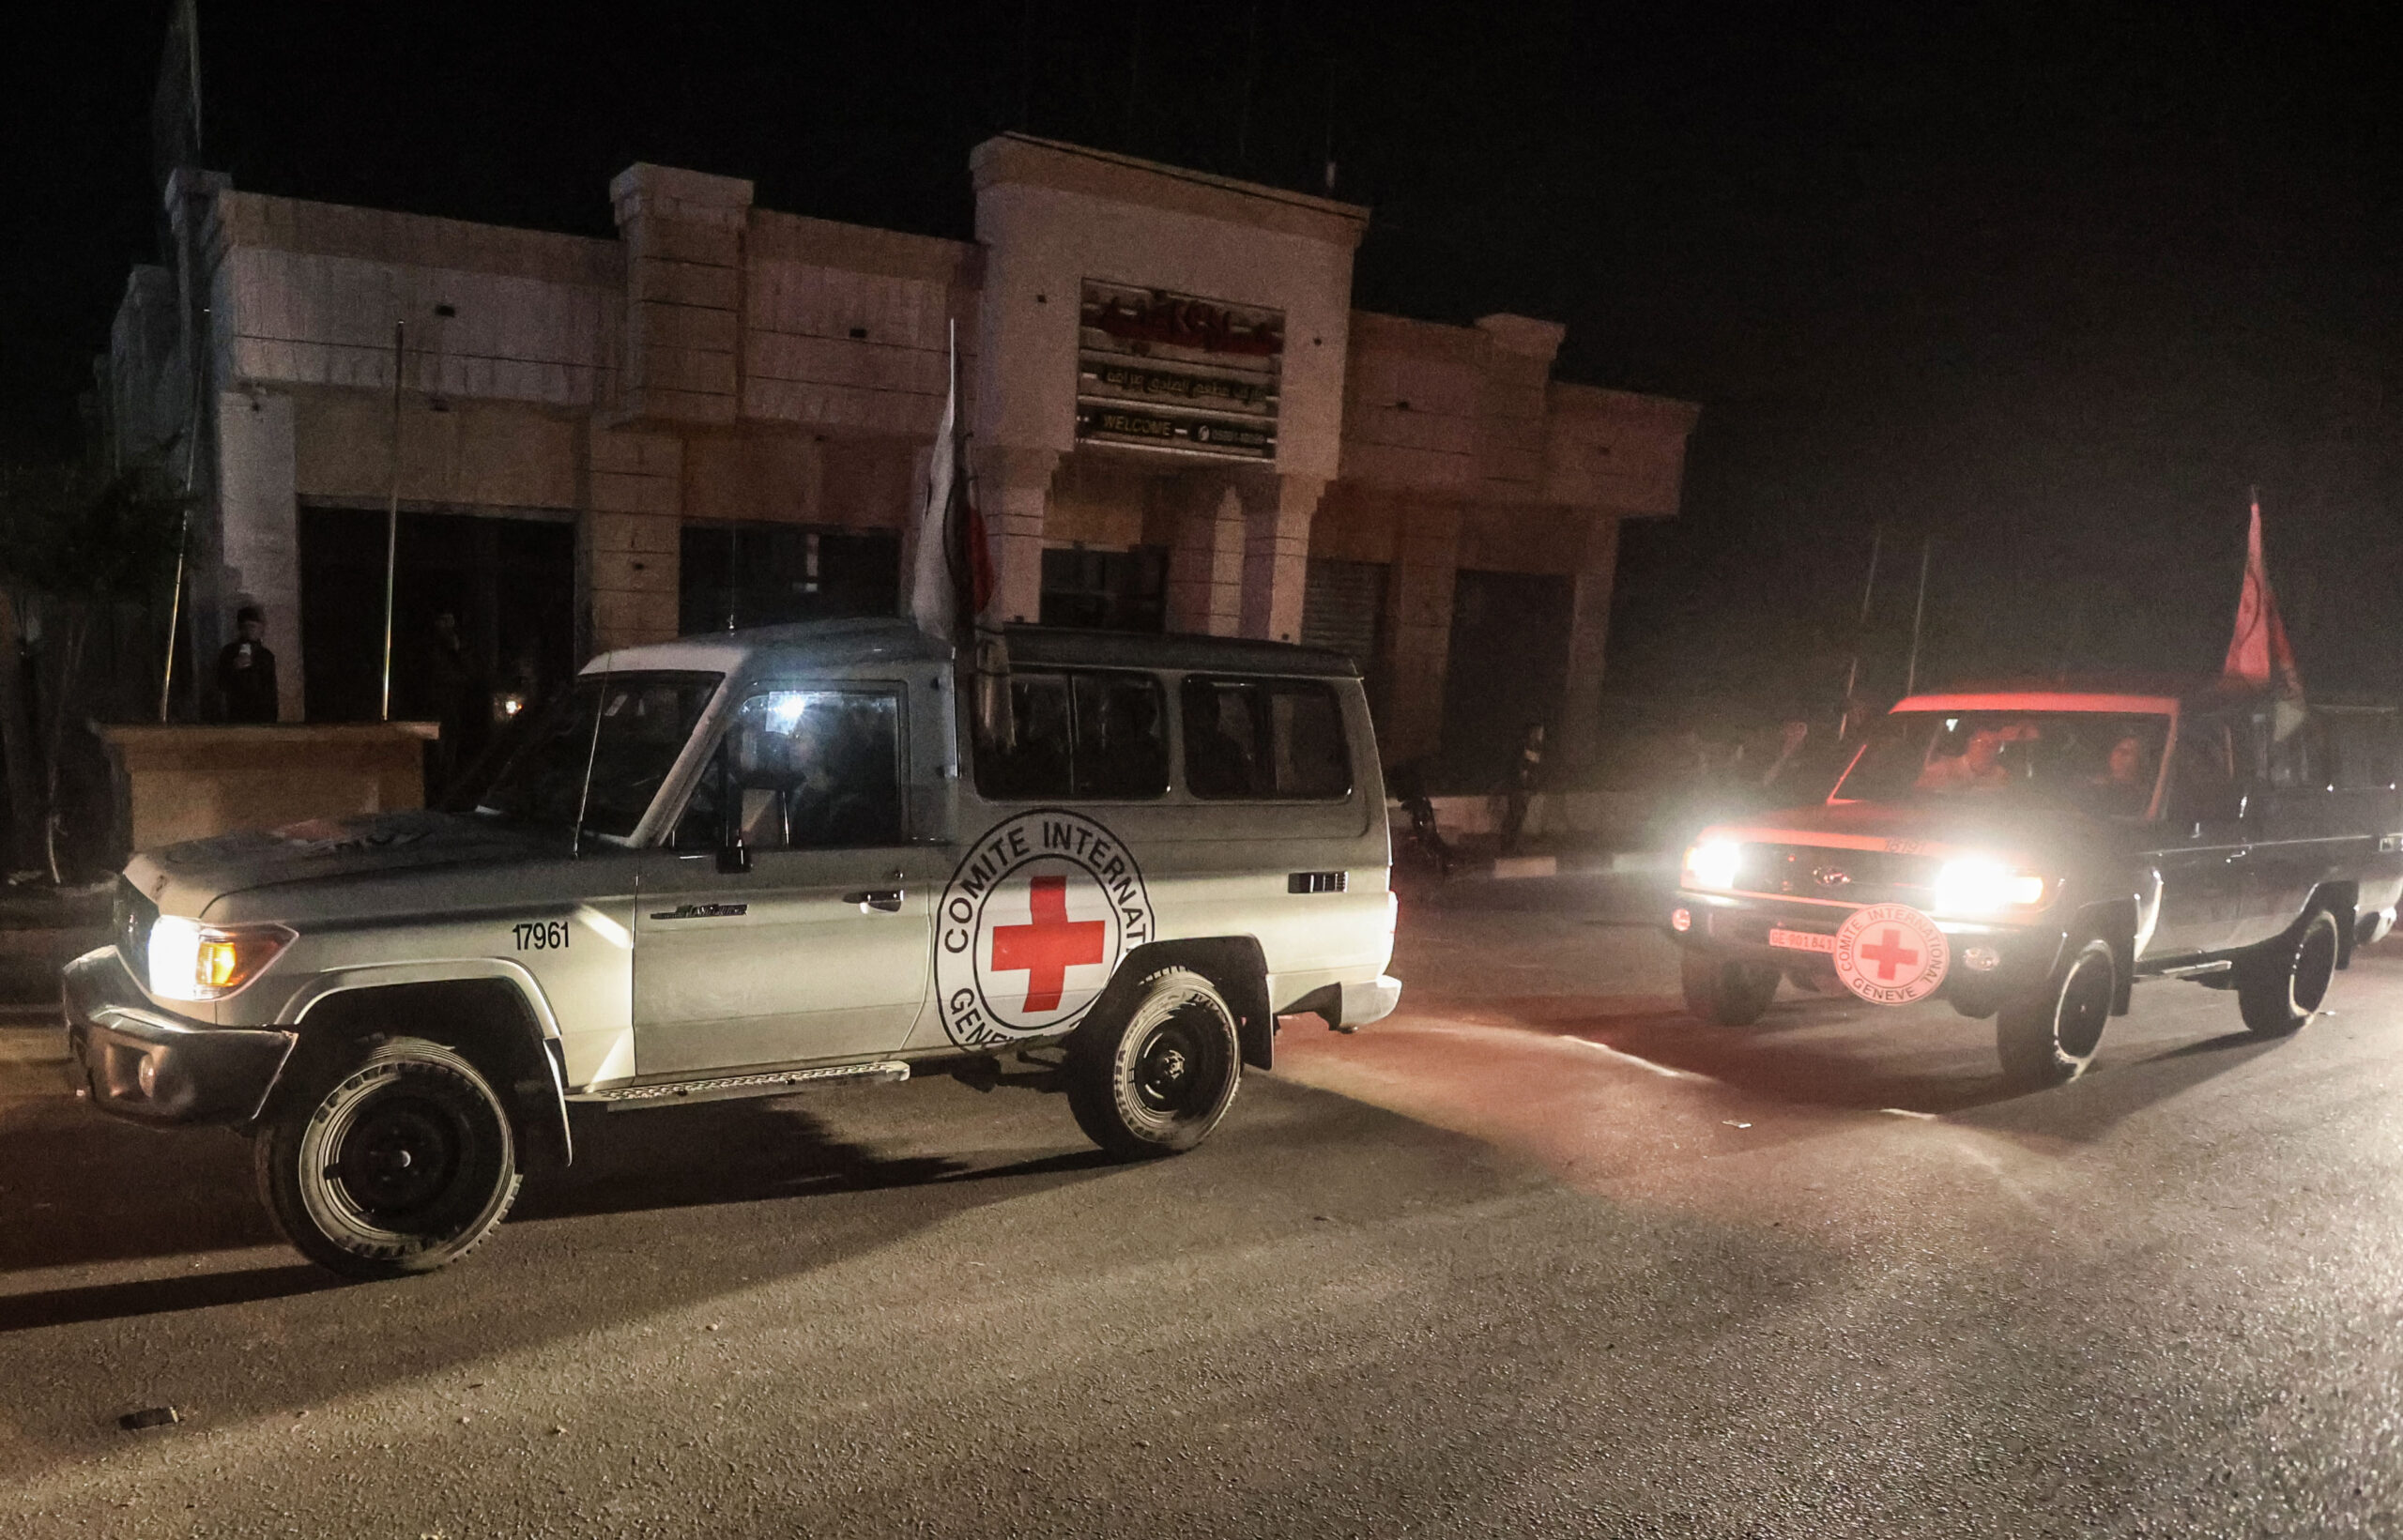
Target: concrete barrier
{"points": [[187, 783]]}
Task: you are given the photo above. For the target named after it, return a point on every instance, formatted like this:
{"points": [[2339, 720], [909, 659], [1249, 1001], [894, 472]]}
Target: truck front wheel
{"points": [[2280, 984], [1155, 1078], [400, 1162], [2050, 1037], [1725, 992]]}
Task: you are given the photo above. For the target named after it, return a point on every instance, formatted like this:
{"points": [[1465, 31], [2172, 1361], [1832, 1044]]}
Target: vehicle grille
{"points": [[130, 920], [1819, 871]]}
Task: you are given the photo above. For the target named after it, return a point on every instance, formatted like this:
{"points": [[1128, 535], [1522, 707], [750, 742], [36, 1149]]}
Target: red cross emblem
{"points": [[1890, 953], [1045, 949]]}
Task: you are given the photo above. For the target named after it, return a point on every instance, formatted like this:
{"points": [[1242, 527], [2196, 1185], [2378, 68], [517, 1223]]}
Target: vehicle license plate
{"points": [[1801, 940]]}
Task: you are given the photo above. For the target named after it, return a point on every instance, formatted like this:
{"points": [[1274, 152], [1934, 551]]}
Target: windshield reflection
{"points": [[644, 719], [2102, 762]]}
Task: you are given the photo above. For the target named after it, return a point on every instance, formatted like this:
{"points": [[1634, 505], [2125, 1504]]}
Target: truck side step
{"points": [[2196, 970], [726, 1088]]}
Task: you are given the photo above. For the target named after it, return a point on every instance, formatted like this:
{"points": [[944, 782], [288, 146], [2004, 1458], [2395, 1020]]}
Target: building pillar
{"points": [[684, 238], [1277, 556], [261, 534], [1205, 565], [633, 537], [1418, 627], [1589, 630], [1014, 494]]}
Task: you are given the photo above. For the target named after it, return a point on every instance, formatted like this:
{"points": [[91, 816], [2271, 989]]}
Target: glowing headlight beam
{"points": [[1977, 885], [1712, 864]]}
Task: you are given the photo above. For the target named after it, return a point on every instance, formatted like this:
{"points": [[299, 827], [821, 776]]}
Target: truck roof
{"points": [[2139, 693], [883, 639]]}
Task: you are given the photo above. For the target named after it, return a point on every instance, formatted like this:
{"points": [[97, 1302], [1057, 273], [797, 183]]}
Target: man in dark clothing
{"points": [[246, 669], [1525, 779]]}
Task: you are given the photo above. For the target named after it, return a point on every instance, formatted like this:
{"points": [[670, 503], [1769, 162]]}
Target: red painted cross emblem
{"points": [[1888, 953], [1047, 949]]}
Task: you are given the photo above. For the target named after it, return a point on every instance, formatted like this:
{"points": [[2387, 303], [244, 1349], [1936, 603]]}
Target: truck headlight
{"points": [[1975, 885], [1712, 864], [189, 961]]}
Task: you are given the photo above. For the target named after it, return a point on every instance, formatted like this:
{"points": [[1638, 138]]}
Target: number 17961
{"points": [[542, 935]]}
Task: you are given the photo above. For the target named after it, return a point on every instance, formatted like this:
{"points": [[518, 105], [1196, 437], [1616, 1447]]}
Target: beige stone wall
{"points": [[631, 537], [467, 454], [849, 330]]}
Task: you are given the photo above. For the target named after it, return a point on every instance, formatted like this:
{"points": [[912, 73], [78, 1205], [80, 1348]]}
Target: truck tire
{"points": [[1155, 1078], [1725, 992], [400, 1162], [2048, 1039], [2280, 984]]}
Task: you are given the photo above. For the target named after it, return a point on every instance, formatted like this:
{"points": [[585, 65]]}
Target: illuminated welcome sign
{"points": [[1162, 371]]}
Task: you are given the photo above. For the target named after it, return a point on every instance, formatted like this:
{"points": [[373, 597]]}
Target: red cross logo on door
{"points": [[1045, 949], [1890, 953]]}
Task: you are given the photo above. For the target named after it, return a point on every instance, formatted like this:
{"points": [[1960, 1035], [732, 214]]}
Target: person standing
{"points": [[246, 669], [1525, 779]]}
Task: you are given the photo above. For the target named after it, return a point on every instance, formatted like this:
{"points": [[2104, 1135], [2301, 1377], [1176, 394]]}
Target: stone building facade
{"points": [[724, 414]]}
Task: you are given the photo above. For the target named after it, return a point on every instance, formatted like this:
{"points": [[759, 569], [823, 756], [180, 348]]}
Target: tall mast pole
{"points": [[1852, 675], [1918, 610], [393, 515]]}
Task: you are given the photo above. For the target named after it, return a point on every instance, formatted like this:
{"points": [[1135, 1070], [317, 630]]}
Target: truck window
{"points": [[1081, 734], [2202, 778], [803, 769], [644, 721], [1278, 740], [2360, 750]]}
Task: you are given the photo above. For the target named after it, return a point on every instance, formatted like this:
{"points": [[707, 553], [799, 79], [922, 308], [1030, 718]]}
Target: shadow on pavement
{"points": [[1823, 1052], [78, 1188], [160, 1296]]}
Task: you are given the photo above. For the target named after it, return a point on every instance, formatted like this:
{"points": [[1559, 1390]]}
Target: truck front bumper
{"points": [[2017, 959], [135, 1061]]}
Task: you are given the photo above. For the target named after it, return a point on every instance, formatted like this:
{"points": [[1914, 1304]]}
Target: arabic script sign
{"points": [[1171, 372]]}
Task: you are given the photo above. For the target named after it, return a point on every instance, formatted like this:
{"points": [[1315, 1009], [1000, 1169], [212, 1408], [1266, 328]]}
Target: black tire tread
{"points": [[274, 1165]]}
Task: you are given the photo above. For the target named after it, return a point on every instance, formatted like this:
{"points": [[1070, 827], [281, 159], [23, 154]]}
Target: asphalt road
{"points": [[1539, 1256]]}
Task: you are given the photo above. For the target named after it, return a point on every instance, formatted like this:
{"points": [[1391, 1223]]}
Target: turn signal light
{"points": [[189, 961]]}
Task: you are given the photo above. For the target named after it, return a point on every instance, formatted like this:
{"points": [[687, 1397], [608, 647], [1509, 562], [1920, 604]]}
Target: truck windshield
{"points": [[645, 719], [2102, 762]]}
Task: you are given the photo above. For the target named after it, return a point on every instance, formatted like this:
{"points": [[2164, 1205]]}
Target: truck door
{"points": [[2297, 840], [820, 949], [2205, 841]]}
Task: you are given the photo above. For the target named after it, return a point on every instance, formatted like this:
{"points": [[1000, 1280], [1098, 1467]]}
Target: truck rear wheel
{"points": [[2050, 1038], [400, 1162], [1725, 992], [2280, 984], [1155, 1078]]}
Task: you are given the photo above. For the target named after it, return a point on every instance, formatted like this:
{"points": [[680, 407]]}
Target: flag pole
{"points": [[392, 516], [1918, 610], [1852, 675]]}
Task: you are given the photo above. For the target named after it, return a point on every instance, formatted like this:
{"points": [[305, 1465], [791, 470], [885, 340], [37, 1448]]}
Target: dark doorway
{"points": [[509, 585], [1106, 590], [768, 574], [1508, 665], [1343, 607]]}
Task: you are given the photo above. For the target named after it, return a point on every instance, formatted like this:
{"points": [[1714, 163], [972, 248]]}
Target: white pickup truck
{"points": [[743, 864]]}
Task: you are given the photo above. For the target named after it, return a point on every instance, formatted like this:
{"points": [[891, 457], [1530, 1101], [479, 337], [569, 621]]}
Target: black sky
{"points": [[2053, 287]]}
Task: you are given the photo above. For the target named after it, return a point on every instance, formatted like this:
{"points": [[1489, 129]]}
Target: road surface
{"points": [[1539, 1255]]}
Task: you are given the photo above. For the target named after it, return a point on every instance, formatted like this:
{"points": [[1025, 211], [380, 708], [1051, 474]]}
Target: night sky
{"points": [[2052, 288]]}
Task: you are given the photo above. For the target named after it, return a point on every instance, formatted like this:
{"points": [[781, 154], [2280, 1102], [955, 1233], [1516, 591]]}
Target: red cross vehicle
{"points": [[2029, 853], [751, 864]]}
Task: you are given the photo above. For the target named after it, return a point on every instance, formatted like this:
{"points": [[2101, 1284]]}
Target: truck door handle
{"points": [[886, 899]]}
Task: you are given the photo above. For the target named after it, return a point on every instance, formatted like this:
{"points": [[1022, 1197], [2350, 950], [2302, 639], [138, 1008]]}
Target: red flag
{"points": [[2259, 654]]}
